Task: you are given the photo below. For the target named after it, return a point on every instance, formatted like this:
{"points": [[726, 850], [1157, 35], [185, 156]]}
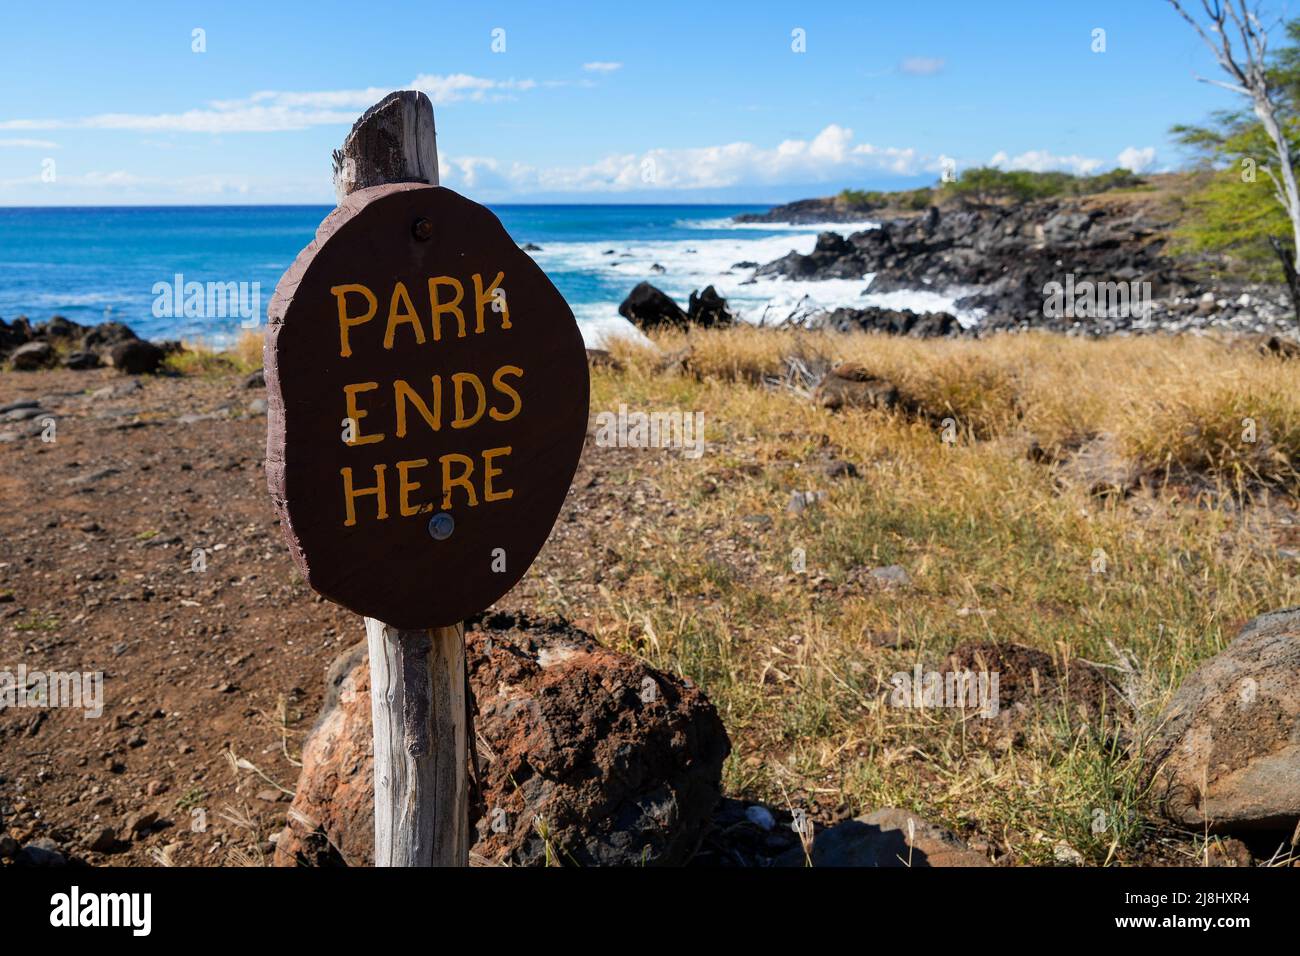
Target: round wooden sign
{"points": [[427, 401]]}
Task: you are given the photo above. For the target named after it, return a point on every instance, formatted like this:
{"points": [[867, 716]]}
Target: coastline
{"points": [[909, 493], [880, 265]]}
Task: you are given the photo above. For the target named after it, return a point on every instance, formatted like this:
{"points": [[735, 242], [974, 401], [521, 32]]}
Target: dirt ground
{"points": [[213, 660], [139, 541]]}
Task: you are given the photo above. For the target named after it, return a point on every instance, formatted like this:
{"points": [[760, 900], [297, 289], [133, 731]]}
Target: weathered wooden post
{"points": [[411, 303], [417, 701]]}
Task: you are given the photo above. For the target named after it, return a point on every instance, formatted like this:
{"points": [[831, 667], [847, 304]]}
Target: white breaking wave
{"points": [[64, 300], [691, 264]]}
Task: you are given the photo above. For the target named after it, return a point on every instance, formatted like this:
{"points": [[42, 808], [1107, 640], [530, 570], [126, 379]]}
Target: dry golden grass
{"points": [[1174, 403], [995, 546], [202, 358]]}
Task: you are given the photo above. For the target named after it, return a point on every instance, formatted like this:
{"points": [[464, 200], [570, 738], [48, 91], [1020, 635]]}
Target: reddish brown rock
{"points": [[588, 757], [1226, 754]]}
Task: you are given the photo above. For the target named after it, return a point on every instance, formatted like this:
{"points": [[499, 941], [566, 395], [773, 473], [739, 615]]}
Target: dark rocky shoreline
{"points": [[62, 343], [999, 261], [1084, 265]]}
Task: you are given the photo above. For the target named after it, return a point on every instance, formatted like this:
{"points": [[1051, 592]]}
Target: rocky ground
{"points": [[137, 540], [144, 481], [140, 541]]}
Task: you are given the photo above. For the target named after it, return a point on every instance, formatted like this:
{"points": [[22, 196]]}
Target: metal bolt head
{"points": [[422, 230], [441, 526]]}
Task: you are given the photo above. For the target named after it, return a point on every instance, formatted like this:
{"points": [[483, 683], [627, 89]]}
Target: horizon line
{"points": [[318, 205]]}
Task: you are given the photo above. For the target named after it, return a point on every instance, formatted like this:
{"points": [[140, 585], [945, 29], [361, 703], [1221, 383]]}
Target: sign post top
{"points": [[393, 142]]}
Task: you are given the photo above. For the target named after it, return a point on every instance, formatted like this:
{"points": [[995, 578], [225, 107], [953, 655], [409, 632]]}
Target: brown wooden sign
{"points": [[427, 390]]}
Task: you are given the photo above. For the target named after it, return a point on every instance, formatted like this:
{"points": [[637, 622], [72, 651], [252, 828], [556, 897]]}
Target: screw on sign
{"points": [[428, 394]]}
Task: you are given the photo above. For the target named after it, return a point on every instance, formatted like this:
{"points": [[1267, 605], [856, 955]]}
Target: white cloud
{"points": [[273, 110], [461, 86], [602, 66], [830, 154], [1138, 160], [29, 143], [922, 65], [1041, 161]]}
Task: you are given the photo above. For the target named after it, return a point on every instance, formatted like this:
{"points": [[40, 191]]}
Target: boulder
{"points": [[22, 413], [851, 386], [136, 357], [101, 839], [58, 329], [32, 356], [708, 310], [648, 308], [81, 360], [1282, 348], [833, 257], [14, 334], [106, 335], [41, 852], [1226, 755], [893, 321], [621, 763], [18, 406], [886, 838]]}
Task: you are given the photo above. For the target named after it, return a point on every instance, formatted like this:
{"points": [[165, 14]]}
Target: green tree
{"points": [[1254, 202]]}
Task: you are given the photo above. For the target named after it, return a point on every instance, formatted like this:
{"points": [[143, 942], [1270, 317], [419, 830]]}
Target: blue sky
{"points": [[107, 103]]}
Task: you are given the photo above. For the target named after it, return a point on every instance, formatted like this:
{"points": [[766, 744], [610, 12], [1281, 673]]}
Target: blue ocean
{"points": [[99, 263]]}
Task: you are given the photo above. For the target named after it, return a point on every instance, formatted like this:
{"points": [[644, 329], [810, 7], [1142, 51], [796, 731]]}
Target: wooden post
{"points": [[417, 678], [417, 702]]}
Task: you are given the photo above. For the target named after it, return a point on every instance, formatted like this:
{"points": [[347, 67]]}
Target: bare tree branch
{"points": [[1245, 61]]}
